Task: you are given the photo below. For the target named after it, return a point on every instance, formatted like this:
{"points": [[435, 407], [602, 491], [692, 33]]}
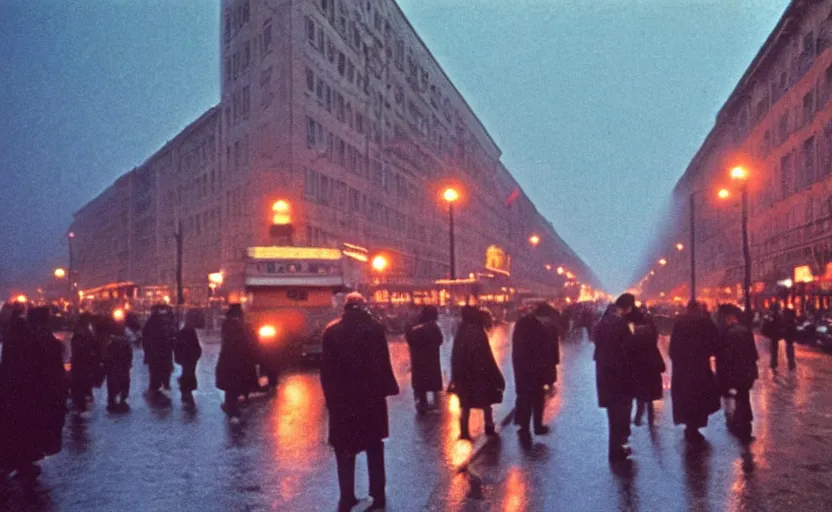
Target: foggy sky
{"points": [[598, 106]]}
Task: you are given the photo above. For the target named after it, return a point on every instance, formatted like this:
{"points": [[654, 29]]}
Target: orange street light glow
{"points": [[662, 262], [534, 240], [21, 299], [60, 273], [680, 247], [450, 195], [548, 267], [118, 315], [652, 272], [379, 263], [561, 271], [281, 213], [739, 173], [724, 193]]}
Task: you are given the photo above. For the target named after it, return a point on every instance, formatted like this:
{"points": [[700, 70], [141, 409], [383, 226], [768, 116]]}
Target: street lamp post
{"points": [[451, 196], [692, 247], [73, 295]]}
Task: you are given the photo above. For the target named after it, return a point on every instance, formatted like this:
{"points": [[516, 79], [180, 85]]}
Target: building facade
{"points": [[778, 125], [339, 108]]}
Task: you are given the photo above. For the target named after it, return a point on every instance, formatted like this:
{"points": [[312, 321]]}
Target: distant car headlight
{"points": [[268, 333]]}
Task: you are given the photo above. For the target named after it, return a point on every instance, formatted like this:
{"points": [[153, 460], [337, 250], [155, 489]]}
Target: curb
{"points": [[462, 468]]}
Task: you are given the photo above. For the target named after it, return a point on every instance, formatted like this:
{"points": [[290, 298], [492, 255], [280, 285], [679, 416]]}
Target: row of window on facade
{"points": [[328, 191], [206, 223], [235, 18], [241, 153], [240, 106], [335, 103], [236, 202]]}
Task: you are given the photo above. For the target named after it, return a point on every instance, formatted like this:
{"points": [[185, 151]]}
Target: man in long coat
{"points": [[424, 340], [158, 336], [235, 365], [531, 357], [693, 385], [357, 377], [737, 369], [614, 377]]}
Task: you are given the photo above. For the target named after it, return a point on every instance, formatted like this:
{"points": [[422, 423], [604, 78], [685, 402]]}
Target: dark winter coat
{"points": [[648, 363], [16, 445], [424, 341], [186, 348], [531, 354], [356, 377], [157, 337], [736, 359], [693, 385], [614, 375], [118, 356], [235, 365], [86, 359], [475, 376], [47, 383]]}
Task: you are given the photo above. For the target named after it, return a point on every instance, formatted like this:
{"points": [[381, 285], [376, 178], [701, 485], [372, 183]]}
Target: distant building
{"points": [[339, 108], [778, 124]]}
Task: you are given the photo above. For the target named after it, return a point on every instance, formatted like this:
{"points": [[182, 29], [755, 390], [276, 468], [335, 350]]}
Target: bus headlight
{"points": [[267, 333]]}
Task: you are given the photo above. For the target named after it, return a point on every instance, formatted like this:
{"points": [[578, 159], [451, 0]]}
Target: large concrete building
{"points": [[339, 108], [777, 124]]}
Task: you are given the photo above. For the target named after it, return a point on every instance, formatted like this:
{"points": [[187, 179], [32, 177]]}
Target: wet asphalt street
{"points": [[163, 458]]}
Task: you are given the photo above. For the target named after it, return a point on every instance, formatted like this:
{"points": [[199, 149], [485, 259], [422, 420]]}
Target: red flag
{"points": [[512, 197]]}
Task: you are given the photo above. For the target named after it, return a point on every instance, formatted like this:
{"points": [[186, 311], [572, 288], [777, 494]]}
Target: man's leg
{"points": [[640, 406], [346, 478], [421, 398], [232, 406], [488, 416], [538, 408], [464, 417], [523, 412], [742, 414], [378, 477]]}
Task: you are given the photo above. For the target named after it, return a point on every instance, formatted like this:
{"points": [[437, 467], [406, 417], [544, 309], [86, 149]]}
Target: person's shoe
{"points": [[490, 431], [123, 407], [347, 505], [542, 430], [792, 367], [378, 503], [112, 407], [464, 436], [524, 435], [619, 454], [693, 436]]}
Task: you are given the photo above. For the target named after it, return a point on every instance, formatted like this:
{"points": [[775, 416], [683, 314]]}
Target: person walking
{"points": [[475, 376], [531, 358], [357, 377], [236, 361], [157, 338], [774, 330], [118, 361], [737, 369], [85, 362], [789, 336], [614, 374], [186, 353], [693, 385], [648, 364], [424, 340]]}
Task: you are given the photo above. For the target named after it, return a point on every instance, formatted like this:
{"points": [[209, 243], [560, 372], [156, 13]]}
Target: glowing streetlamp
{"points": [[451, 196], [662, 262], [21, 299], [380, 263], [59, 273], [548, 267], [534, 240], [561, 270], [742, 175], [724, 193], [739, 173], [680, 247], [281, 213]]}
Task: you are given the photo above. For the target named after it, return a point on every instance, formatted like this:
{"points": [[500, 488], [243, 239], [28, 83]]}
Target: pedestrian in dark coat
{"points": [[236, 363], [424, 340], [531, 357], [118, 361], [648, 364], [85, 362], [157, 337], [187, 351], [614, 373], [737, 369], [17, 448], [357, 377], [693, 385], [476, 378]]}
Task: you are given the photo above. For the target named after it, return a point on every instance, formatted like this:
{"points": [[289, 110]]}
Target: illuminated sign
{"points": [[496, 260], [293, 253], [803, 274]]}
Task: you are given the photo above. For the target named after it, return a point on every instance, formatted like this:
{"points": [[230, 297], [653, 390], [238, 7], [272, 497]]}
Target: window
{"points": [[324, 192], [783, 128], [342, 63], [321, 44], [359, 123], [355, 200], [808, 107], [310, 30], [246, 54], [267, 36], [319, 91], [245, 12], [227, 27], [339, 107], [310, 80], [310, 132], [328, 99], [310, 184], [246, 101], [785, 175], [808, 168]]}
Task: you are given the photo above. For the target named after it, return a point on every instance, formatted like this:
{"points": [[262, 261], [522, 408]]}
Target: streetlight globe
{"points": [[70, 235], [534, 240], [739, 173], [561, 270], [60, 273], [724, 193], [450, 195], [662, 262], [680, 247], [379, 263]]}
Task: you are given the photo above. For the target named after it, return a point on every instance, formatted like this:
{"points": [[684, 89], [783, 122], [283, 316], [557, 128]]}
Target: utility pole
{"points": [[746, 252]]}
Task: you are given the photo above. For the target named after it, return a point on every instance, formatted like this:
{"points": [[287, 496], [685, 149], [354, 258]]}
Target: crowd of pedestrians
{"points": [[357, 376]]}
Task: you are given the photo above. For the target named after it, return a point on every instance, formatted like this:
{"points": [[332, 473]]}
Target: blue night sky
{"points": [[597, 105]]}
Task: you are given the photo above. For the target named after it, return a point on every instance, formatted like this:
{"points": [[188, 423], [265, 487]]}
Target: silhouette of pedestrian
{"points": [[235, 365], [737, 369], [648, 364], [157, 336], [85, 362], [357, 377], [187, 351], [424, 340], [118, 361], [531, 357]]}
